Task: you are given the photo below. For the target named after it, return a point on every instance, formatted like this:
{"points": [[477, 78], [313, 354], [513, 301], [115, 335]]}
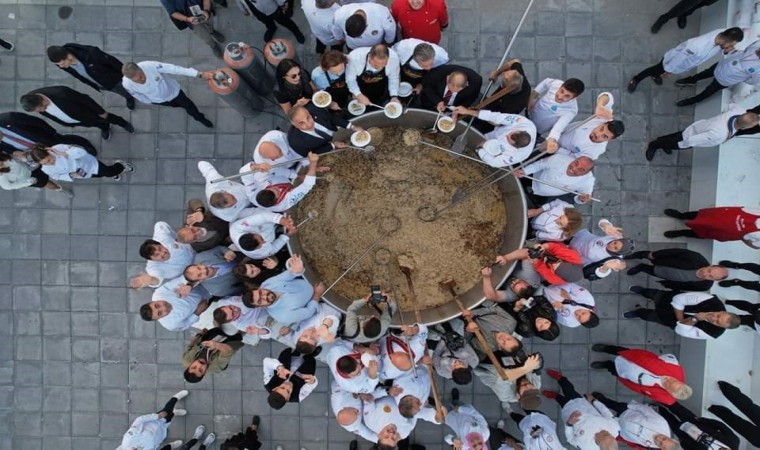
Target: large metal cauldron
{"points": [[514, 238]]}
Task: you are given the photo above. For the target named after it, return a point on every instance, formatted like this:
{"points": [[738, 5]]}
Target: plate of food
{"points": [[393, 110], [446, 124], [361, 138], [321, 99], [404, 89], [356, 108]]}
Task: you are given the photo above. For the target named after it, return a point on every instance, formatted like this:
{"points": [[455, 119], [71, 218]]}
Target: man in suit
{"points": [[214, 273], [202, 230], [313, 129], [698, 433], [91, 66], [679, 269], [70, 108], [20, 132], [450, 85]]}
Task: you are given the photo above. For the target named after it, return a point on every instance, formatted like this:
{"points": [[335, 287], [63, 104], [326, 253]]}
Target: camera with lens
{"points": [[376, 295], [454, 341]]}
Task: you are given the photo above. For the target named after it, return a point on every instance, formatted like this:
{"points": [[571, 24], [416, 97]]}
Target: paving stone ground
{"points": [[78, 364]]}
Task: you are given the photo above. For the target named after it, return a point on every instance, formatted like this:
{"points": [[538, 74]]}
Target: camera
{"points": [[197, 13], [540, 358], [529, 303], [454, 341], [376, 295]]}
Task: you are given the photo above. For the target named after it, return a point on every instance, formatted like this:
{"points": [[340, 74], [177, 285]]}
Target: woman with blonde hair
{"points": [[555, 221]]}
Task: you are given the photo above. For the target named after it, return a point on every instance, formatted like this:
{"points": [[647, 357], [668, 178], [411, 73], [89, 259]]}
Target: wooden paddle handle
{"points": [[434, 385]]}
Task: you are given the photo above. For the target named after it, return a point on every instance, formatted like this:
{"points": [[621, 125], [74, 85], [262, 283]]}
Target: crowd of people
{"points": [[226, 270]]}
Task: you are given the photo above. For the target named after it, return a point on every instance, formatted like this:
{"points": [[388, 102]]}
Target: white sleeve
{"points": [[564, 120], [11, 185], [543, 87], [586, 187], [307, 389], [75, 152], [297, 194], [497, 117], [270, 366], [208, 171], [537, 166], [352, 71], [162, 231], [337, 29], [393, 69], [172, 69], [441, 56], [427, 413], [681, 301], [610, 100], [602, 408], [389, 27], [690, 331]]}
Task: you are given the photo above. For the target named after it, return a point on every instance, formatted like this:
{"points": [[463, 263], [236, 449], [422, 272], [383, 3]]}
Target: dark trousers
{"points": [[248, 439], [668, 142], [663, 312], [712, 88], [186, 446], [105, 124], [119, 89], [279, 17], [321, 47], [750, 429], [653, 71], [618, 407], [750, 285], [169, 409], [568, 391], [610, 365], [751, 308], [5, 44], [79, 141], [181, 101], [105, 171], [685, 8], [752, 267], [676, 414]]}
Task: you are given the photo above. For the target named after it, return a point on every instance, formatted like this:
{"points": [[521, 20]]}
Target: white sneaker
{"points": [[181, 394], [199, 430], [279, 447], [65, 192], [209, 439], [180, 412], [175, 444]]}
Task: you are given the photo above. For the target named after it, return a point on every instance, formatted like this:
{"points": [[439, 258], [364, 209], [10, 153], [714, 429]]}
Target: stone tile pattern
{"points": [[79, 364]]}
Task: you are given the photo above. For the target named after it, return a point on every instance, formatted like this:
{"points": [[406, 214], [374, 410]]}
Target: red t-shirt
{"points": [[425, 23]]}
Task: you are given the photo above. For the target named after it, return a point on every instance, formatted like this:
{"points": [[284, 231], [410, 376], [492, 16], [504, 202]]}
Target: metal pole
{"points": [[569, 191], [353, 264]]}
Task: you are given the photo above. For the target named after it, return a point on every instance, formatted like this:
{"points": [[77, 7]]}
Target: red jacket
{"points": [[561, 252], [651, 362], [425, 23]]}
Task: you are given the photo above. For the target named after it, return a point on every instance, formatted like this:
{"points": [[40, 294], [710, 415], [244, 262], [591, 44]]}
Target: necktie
{"points": [[322, 132], [20, 141], [447, 97]]}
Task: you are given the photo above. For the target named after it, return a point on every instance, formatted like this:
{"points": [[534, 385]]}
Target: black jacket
{"points": [[37, 130], [74, 104], [679, 258], [526, 319], [667, 315], [434, 86], [102, 67], [303, 143]]}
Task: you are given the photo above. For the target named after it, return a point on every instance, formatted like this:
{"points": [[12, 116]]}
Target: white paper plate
{"points": [[404, 89], [356, 108], [443, 121], [321, 95], [355, 138], [393, 110]]}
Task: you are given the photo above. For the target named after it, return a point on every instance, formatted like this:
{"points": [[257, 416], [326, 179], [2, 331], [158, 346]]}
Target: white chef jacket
{"points": [[546, 439], [320, 21], [78, 160], [554, 170], [545, 224], [270, 366], [290, 200], [681, 301], [506, 123], [341, 399], [267, 7], [594, 418], [355, 67], [417, 344], [146, 433], [740, 67], [419, 388], [640, 423], [324, 311], [639, 375], [280, 139], [182, 315], [547, 114], [384, 412], [576, 141], [241, 208], [262, 223], [55, 111], [157, 88], [20, 176], [180, 255], [465, 419], [566, 316], [690, 54], [361, 384], [405, 48], [380, 25], [591, 247], [713, 131]]}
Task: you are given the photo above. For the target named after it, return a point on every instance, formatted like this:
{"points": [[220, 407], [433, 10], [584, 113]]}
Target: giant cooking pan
{"points": [[517, 222]]}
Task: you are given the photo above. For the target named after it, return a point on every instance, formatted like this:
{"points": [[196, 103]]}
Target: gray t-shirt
{"points": [[80, 69], [679, 275], [524, 270]]}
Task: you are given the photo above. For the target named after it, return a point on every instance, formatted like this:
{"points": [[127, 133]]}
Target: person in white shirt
{"points": [[233, 316], [383, 418], [68, 162], [552, 106], [602, 255], [146, 82], [227, 199], [469, 426], [279, 194], [640, 424], [539, 431], [417, 57], [575, 305], [149, 431], [320, 15], [175, 310], [318, 330], [411, 392], [555, 221], [348, 409], [590, 137], [270, 11], [289, 378], [571, 174], [364, 25], [254, 235], [690, 54], [373, 74], [354, 367], [743, 66], [167, 257], [273, 150], [399, 355], [589, 424], [18, 174], [710, 132], [510, 143]]}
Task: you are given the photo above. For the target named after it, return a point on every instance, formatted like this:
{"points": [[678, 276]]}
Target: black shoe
{"points": [[657, 25], [255, 422], [106, 134], [218, 37], [729, 264], [630, 315], [7, 45], [650, 153], [128, 126], [632, 85], [637, 290], [635, 269], [685, 102], [681, 22], [206, 123], [643, 254], [131, 103], [353, 445], [217, 52], [455, 396], [269, 34], [600, 348], [222, 3], [672, 234], [599, 365], [728, 283], [674, 213], [657, 80], [667, 151], [684, 82], [300, 37]]}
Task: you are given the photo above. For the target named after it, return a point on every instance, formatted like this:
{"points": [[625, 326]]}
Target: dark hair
{"points": [[379, 51], [592, 322], [219, 200], [247, 298], [462, 375], [574, 85], [146, 313], [734, 321], [347, 364], [405, 406], [526, 292], [39, 152], [184, 272], [372, 327], [30, 102], [305, 348], [56, 53], [191, 377], [5, 157], [332, 58], [733, 34], [219, 316], [521, 138], [616, 127], [516, 350], [283, 68], [248, 242], [355, 25], [148, 247], [551, 334], [276, 400], [266, 198]]}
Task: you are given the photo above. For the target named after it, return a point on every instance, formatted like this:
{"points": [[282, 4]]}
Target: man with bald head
{"points": [[202, 230], [226, 199], [313, 129], [450, 85], [173, 312], [348, 409], [398, 355], [273, 149], [679, 269], [571, 174]]}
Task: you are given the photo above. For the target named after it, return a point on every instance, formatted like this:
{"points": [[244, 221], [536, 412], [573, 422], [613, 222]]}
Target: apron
{"points": [[411, 75], [338, 89], [373, 85], [723, 224]]}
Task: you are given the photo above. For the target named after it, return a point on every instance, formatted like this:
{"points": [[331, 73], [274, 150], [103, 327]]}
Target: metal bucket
{"points": [[517, 222]]}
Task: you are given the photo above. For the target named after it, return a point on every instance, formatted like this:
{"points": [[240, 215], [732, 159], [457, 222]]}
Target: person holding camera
{"points": [[555, 262], [523, 283], [536, 317], [453, 358], [198, 16], [362, 324]]}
